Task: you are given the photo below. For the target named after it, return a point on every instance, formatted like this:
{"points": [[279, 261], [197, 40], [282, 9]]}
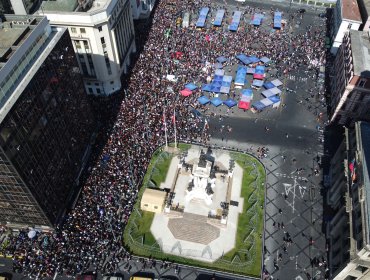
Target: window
{"points": [[86, 45], [90, 90], [111, 82], [73, 30], [362, 83], [349, 25], [98, 90], [155, 207], [102, 40], [146, 205], [83, 30], [100, 28], [77, 44]]}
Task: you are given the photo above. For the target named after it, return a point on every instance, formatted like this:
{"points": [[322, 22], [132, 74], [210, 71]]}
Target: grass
{"points": [[245, 258]]}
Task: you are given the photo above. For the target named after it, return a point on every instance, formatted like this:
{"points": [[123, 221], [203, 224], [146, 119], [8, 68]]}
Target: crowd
{"points": [[90, 235]]}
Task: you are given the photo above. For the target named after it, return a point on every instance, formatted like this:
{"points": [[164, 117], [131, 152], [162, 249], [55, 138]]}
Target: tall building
{"points": [[346, 16], [45, 121], [349, 230], [19, 7], [102, 34], [350, 80], [141, 8]]}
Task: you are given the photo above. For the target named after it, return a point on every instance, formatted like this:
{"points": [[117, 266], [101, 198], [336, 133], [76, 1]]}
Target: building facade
{"points": [[346, 16], [350, 80], [364, 6], [46, 121], [102, 34], [349, 229], [141, 8]]}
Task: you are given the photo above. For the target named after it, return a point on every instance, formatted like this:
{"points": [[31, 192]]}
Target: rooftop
{"points": [[14, 29], [360, 44], [350, 10], [73, 5]]}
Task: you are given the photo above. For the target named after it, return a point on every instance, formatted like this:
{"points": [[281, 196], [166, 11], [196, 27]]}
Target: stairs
{"points": [[193, 228]]}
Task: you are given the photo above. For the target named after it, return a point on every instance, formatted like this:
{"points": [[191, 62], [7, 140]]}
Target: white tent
{"points": [[276, 82]]}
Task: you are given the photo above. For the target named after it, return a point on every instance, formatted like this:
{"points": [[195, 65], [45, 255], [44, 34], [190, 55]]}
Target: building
{"points": [[346, 16], [364, 6], [351, 226], [141, 8], [102, 34], [19, 7], [46, 121], [153, 200], [350, 80]]}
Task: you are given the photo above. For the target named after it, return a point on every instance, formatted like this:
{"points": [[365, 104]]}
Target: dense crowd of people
{"points": [[90, 236]]}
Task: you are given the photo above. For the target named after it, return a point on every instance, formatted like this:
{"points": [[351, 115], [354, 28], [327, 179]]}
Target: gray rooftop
{"points": [[360, 44], [59, 5], [13, 31]]}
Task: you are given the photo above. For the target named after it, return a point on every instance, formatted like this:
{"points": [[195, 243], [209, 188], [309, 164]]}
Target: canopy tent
{"points": [[203, 100], [230, 102], [251, 70], [275, 90], [268, 85], [276, 82], [247, 92], [202, 17], [243, 58], [191, 86], [219, 72], [218, 65], [219, 17], [228, 79], [244, 105], [186, 92], [267, 102], [221, 59], [171, 78], [259, 72], [257, 83], [235, 21], [265, 59], [257, 19], [267, 93], [259, 106], [207, 87], [240, 76], [246, 98], [277, 20], [216, 101], [275, 100]]}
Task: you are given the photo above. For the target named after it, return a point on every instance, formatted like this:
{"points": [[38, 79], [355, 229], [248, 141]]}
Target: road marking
{"points": [[290, 177]]}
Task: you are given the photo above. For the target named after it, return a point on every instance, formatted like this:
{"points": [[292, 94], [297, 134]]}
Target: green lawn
{"points": [[246, 257]]}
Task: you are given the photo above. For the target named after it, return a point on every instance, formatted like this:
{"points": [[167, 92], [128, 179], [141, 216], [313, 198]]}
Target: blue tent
{"points": [[243, 58], [257, 83], [221, 59], [265, 59], [247, 92], [218, 78], [216, 101], [275, 98], [202, 17], [207, 87], [219, 17], [230, 103], [258, 105], [191, 86], [203, 100], [268, 85], [235, 21], [218, 65]]}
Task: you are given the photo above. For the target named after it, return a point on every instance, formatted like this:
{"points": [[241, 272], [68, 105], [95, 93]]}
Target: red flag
{"points": [[208, 38]]}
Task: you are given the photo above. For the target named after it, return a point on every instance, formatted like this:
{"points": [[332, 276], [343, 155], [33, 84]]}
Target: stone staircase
{"points": [[193, 228]]}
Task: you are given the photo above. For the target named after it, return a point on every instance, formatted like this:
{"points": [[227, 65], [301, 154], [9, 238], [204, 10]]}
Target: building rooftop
{"points": [[350, 10], [360, 44], [72, 5], [14, 29]]}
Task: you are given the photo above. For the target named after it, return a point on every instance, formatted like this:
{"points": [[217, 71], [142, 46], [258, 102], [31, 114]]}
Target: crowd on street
{"points": [[90, 236]]}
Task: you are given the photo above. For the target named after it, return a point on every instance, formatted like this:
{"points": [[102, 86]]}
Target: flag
{"points": [[208, 38]]}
